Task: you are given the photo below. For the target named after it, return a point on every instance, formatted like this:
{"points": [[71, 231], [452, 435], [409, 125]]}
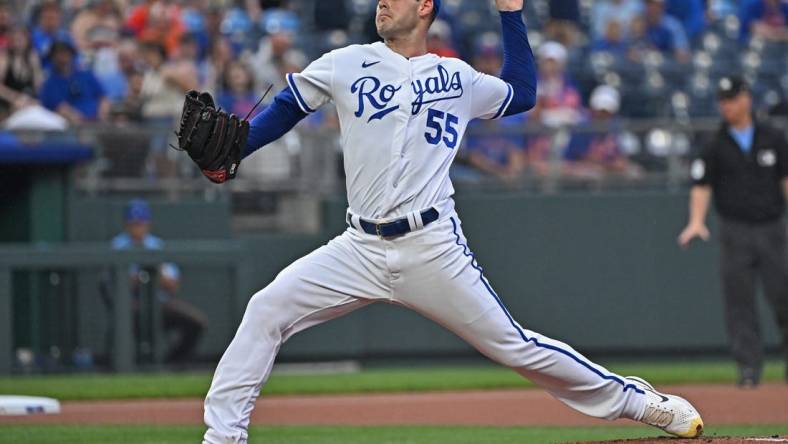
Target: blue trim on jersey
{"points": [[299, 97], [467, 252], [519, 67], [274, 121], [506, 102]]}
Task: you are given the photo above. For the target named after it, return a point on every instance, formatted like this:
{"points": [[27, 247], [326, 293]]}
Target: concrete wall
{"points": [[599, 271]]}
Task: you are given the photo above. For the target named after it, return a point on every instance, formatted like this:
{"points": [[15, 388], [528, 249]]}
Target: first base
{"points": [[28, 405]]}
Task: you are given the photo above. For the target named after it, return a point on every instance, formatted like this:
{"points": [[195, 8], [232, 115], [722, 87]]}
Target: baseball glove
{"points": [[211, 137]]}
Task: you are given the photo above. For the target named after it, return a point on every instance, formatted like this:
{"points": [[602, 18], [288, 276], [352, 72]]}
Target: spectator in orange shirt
{"points": [[157, 21]]}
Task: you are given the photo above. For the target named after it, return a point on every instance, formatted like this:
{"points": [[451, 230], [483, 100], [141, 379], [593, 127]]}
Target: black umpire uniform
{"points": [[747, 188]]}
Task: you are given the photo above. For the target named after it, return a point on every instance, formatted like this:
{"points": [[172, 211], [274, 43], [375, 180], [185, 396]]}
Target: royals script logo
{"points": [[444, 86], [371, 91]]}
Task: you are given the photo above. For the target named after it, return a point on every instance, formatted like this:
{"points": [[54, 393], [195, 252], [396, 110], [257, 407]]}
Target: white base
{"points": [[28, 405]]}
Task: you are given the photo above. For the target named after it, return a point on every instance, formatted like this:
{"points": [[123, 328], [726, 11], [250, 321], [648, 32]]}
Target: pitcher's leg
{"points": [[553, 365], [558, 368], [451, 290], [321, 286], [247, 362]]}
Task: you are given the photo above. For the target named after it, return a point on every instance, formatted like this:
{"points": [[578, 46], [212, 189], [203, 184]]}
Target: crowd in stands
{"points": [[81, 62], [97, 61], [602, 62]]}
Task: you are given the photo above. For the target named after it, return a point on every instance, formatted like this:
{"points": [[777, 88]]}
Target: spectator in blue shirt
{"points": [[73, 93], [612, 41], [719, 9], [238, 95], [48, 30], [691, 14], [767, 19], [495, 147], [595, 151], [665, 33], [177, 314], [606, 11], [124, 59]]}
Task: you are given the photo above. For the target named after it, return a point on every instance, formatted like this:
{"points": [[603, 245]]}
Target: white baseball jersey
{"points": [[402, 121]]}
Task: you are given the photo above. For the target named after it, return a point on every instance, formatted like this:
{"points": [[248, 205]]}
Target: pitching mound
{"points": [[701, 440]]}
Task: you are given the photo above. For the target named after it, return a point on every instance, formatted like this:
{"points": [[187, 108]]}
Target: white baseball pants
{"points": [[431, 271]]}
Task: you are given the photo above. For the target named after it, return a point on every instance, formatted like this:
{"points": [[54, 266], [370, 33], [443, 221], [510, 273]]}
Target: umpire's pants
{"points": [[751, 251]]}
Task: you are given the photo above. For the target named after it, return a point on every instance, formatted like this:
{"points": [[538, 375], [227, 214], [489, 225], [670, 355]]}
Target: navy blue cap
{"points": [[61, 45], [137, 210], [730, 87]]}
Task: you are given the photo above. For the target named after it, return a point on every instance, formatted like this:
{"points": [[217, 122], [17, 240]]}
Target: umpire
{"points": [[745, 168]]}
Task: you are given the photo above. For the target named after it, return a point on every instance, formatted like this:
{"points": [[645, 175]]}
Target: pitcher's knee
{"points": [[270, 300], [509, 360], [508, 354], [263, 311]]}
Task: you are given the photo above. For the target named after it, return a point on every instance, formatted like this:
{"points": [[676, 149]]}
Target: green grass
{"points": [[195, 385], [351, 435]]}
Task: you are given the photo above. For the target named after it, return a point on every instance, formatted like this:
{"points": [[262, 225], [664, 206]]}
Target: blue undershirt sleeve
{"points": [[273, 122], [519, 67]]}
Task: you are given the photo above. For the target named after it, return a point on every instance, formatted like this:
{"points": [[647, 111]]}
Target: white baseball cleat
{"points": [[670, 413]]}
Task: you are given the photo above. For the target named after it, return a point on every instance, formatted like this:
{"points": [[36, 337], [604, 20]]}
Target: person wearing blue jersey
{"points": [[178, 316]]}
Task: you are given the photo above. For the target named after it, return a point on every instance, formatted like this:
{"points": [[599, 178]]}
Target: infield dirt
{"points": [[719, 405]]}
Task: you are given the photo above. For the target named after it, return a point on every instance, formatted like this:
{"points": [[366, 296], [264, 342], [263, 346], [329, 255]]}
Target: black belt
{"points": [[394, 228]]}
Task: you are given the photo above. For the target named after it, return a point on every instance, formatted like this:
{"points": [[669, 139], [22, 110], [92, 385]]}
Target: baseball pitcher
{"points": [[403, 113]]}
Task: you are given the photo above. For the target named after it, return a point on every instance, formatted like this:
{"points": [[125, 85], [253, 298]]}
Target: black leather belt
{"points": [[394, 228]]}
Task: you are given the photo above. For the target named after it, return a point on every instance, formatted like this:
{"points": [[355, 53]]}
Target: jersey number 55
{"points": [[440, 123]]}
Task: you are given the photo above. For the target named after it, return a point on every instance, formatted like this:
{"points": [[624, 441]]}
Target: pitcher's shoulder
{"points": [[356, 50], [453, 63]]}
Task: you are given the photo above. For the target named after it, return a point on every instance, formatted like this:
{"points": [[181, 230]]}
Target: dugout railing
{"points": [[18, 262]]}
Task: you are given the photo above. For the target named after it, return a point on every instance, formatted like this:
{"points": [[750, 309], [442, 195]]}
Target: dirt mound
{"points": [[701, 440]]}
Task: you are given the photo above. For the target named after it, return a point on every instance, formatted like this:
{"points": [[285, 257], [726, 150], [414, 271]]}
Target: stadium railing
{"points": [[306, 165], [81, 256]]}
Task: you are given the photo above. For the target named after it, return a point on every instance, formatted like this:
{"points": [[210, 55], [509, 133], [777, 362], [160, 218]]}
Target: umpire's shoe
{"points": [[671, 413]]}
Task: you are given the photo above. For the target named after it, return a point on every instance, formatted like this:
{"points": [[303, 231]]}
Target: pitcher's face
{"points": [[397, 17]]}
